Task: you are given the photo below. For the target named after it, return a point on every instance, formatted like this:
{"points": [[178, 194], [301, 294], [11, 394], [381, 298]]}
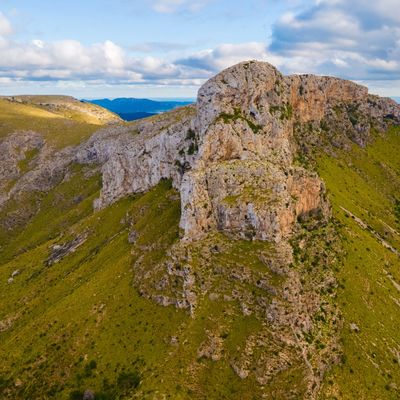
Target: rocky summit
{"points": [[211, 252]]}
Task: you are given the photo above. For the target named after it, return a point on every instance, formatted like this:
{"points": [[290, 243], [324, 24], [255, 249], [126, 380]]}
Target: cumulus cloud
{"points": [[70, 60], [349, 39], [225, 55], [67, 55], [108, 63]]}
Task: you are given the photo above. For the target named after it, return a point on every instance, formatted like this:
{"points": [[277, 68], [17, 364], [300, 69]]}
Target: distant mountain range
{"points": [[131, 108]]}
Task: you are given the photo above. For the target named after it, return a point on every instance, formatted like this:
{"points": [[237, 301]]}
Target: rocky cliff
{"points": [[233, 156]]}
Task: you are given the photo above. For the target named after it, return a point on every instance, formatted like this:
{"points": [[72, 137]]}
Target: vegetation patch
{"points": [[285, 111], [23, 165], [237, 115]]}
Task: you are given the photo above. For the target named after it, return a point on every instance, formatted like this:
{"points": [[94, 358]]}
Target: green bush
{"points": [[191, 134], [128, 380], [104, 396], [76, 395], [92, 364]]}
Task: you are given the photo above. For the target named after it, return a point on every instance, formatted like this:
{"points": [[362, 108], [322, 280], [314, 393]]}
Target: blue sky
{"points": [[168, 48]]}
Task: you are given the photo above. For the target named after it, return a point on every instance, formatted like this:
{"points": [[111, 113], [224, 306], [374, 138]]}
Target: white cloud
{"points": [[5, 26], [352, 40], [225, 55], [114, 55], [38, 43]]}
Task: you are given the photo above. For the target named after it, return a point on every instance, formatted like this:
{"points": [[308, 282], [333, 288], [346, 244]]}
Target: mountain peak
{"points": [[249, 123]]}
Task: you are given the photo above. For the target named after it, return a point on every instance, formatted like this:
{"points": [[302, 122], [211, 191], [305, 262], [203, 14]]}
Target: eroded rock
{"points": [[232, 156], [59, 251]]}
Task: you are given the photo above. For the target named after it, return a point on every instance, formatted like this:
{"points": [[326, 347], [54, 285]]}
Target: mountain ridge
{"points": [[227, 213]]}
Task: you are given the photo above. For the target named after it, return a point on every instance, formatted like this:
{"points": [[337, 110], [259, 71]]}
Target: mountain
{"points": [[244, 247], [131, 109]]}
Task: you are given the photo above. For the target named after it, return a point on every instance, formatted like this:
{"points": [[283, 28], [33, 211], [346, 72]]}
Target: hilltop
{"points": [[67, 107], [246, 246], [61, 120]]}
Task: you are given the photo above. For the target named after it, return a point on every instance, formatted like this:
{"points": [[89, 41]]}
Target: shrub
{"points": [[191, 134], [193, 148], [128, 380], [237, 115], [90, 367], [92, 364], [104, 396], [76, 395]]}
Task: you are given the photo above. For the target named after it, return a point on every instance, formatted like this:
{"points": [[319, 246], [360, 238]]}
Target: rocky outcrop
{"points": [[59, 251], [233, 155], [15, 149], [244, 180], [249, 199], [137, 157]]}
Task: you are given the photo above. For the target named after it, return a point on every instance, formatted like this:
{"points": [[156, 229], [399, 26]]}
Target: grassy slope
{"points": [[69, 107], [60, 128], [83, 308], [366, 182], [80, 324], [193, 377]]}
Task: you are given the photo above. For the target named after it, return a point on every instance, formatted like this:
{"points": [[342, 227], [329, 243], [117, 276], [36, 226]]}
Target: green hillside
{"points": [[62, 121], [79, 323], [365, 183]]}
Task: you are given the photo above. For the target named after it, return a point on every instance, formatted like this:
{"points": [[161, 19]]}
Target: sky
{"points": [[168, 48]]}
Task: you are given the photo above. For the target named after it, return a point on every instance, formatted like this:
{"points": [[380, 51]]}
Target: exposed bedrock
{"points": [[232, 155]]}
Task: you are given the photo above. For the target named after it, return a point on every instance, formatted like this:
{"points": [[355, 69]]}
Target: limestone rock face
{"points": [[233, 155], [249, 199], [14, 150], [244, 180], [136, 158]]}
